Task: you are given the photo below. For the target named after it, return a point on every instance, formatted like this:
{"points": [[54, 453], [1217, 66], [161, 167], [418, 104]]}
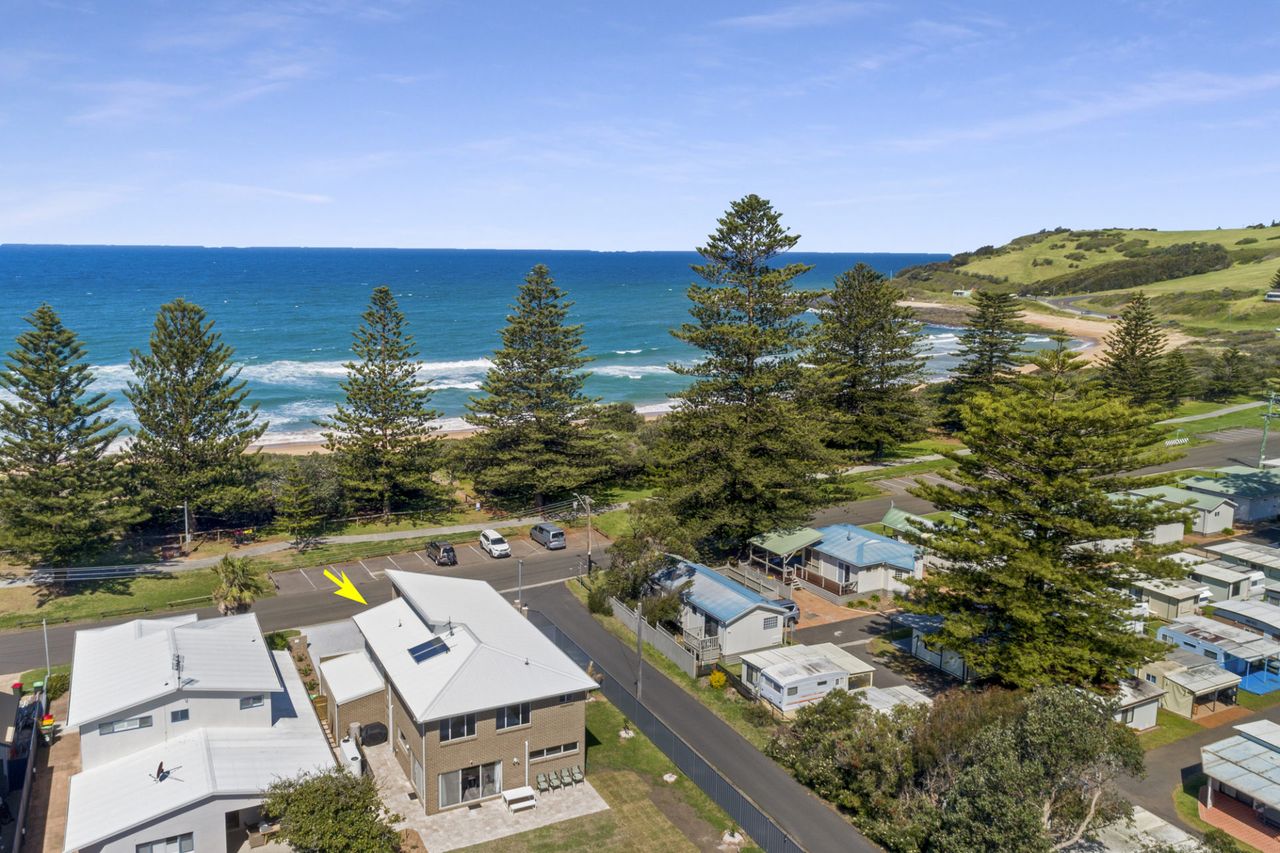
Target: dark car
{"points": [[442, 554]]}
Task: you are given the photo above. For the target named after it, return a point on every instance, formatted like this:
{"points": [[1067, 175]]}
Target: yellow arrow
{"points": [[346, 588]]}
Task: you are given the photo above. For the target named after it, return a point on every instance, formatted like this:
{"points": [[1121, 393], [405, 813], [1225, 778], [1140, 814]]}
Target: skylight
{"points": [[429, 649]]}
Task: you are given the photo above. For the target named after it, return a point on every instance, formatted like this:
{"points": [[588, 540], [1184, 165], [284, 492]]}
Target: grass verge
{"points": [[727, 704], [26, 606]]}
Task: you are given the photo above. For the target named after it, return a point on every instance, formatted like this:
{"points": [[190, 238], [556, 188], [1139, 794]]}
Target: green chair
{"points": [[577, 774], [566, 778], [543, 784], [554, 781]]}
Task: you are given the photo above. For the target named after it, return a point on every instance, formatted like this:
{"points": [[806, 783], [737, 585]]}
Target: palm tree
{"points": [[238, 585]]}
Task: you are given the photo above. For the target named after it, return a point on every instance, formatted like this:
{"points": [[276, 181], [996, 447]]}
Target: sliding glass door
{"points": [[470, 783]]}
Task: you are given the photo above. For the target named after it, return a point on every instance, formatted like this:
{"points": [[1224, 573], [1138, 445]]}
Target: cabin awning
{"points": [[786, 542]]}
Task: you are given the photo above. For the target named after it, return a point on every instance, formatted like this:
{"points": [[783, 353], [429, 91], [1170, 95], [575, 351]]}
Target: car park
{"points": [[493, 544], [548, 535], [441, 553]]}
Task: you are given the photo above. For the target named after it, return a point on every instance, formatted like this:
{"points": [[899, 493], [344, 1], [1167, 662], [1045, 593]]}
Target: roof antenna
{"points": [[177, 668], [450, 626]]}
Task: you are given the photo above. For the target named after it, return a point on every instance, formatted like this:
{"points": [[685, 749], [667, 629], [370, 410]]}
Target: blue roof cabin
{"points": [[1253, 657], [722, 612], [840, 562]]}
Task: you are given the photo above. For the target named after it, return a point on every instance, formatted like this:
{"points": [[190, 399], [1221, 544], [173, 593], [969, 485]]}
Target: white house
{"points": [[1228, 581], [721, 612], [790, 677], [1137, 702], [183, 724], [1255, 493], [1209, 513]]}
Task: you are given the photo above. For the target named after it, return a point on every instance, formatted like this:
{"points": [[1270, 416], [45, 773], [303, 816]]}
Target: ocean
{"points": [[289, 313]]}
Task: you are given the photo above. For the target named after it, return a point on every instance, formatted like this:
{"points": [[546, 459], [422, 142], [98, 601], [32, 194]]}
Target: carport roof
{"points": [[1248, 762], [785, 542]]}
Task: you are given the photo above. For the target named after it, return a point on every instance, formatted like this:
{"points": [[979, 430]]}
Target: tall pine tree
{"points": [[195, 424], [537, 437], [990, 348], [737, 454], [381, 433], [1231, 375], [1023, 596], [1179, 379], [867, 358], [1133, 364], [60, 496]]}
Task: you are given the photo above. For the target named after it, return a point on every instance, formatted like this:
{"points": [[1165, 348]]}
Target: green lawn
{"points": [[614, 523], [727, 703], [1188, 808], [645, 813], [22, 606], [1255, 702], [31, 676], [1169, 728], [1246, 418]]}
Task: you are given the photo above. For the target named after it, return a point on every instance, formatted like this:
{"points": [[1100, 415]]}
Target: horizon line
{"points": [[423, 249]]}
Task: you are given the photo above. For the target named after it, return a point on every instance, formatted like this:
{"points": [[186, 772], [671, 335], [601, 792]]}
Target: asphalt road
{"points": [[306, 597], [814, 824]]}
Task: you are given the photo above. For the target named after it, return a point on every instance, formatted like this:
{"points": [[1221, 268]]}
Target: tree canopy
{"points": [[867, 356], [1025, 596], [195, 422], [61, 496], [737, 455], [381, 432], [539, 435], [1133, 364]]}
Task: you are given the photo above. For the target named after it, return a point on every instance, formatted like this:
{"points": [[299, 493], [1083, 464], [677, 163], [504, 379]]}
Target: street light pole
{"points": [[586, 501], [639, 646], [1266, 428], [520, 582]]}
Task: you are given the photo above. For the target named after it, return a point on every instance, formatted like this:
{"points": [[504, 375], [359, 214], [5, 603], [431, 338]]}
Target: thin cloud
{"points": [[129, 100], [251, 192], [799, 16], [56, 205], [1169, 90]]}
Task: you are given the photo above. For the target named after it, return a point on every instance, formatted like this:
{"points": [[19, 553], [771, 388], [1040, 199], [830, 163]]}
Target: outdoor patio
{"points": [[485, 821], [1238, 820], [1260, 682]]}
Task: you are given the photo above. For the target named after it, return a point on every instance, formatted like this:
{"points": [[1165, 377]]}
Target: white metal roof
{"points": [[1267, 615], [1238, 642], [1169, 588], [1248, 762], [789, 663], [123, 666], [885, 699], [117, 796], [1247, 553], [351, 677], [1134, 692], [1221, 571], [1203, 678], [495, 656]]}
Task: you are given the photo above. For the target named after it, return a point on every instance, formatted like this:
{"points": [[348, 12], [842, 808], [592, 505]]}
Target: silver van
{"points": [[548, 535]]}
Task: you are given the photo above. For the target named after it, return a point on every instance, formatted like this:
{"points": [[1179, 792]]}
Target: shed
{"points": [[793, 676], [1255, 493], [1254, 615], [1193, 685], [1137, 703], [885, 699], [1255, 658], [355, 690], [1169, 599], [1228, 581], [1209, 513], [922, 628]]}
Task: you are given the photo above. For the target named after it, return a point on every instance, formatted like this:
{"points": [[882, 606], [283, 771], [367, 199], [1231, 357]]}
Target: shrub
{"points": [[277, 641], [598, 600], [1218, 841], [1076, 256], [1169, 262], [717, 679], [758, 715], [1244, 241], [57, 685]]}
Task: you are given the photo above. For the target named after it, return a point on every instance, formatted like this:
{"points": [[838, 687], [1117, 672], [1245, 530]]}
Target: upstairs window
{"points": [[455, 728], [124, 725], [247, 702], [513, 715]]}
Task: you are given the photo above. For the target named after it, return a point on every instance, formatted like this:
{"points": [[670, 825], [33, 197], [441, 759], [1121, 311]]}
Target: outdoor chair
{"points": [[554, 781], [566, 778], [576, 772], [543, 785]]}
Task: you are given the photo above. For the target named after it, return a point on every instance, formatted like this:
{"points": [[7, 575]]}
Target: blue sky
{"points": [[873, 126]]}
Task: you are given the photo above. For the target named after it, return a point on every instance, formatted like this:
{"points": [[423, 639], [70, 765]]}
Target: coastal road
{"points": [[299, 603], [814, 824]]}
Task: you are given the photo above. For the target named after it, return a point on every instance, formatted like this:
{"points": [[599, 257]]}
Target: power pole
{"points": [[639, 645], [586, 501], [1266, 427]]}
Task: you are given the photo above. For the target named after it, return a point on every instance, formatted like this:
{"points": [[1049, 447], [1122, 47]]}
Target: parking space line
{"points": [[394, 563], [477, 553], [418, 554], [366, 570], [309, 580]]}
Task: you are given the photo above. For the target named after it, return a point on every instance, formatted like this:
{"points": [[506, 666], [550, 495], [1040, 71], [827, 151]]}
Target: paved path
{"points": [[1216, 413], [814, 824]]}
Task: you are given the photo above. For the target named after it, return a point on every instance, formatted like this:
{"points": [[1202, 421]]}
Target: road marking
{"points": [[854, 643], [473, 548], [309, 580], [394, 563], [366, 570], [529, 586], [418, 554]]}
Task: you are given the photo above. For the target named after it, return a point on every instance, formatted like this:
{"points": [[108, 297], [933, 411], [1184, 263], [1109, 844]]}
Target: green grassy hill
{"points": [[1101, 269]]}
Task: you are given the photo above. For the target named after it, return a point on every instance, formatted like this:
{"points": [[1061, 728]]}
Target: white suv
{"points": [[493, 544]]}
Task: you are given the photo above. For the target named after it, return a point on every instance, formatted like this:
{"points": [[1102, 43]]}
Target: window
{"points": [[173, 844], [566, 698], [247, 702], [773, 685], [1151, 678], [822, 684], [562, 749], [513, 715], [470, 783], [791, 691], [404, 741], [1126, 716], [1209, 653], [458, 727], [179, 716], [124, 725], [770, 622]]}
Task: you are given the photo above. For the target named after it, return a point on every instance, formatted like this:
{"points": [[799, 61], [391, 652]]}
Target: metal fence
{"points": [[670, 648], [35, 710], [740, 808]]}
